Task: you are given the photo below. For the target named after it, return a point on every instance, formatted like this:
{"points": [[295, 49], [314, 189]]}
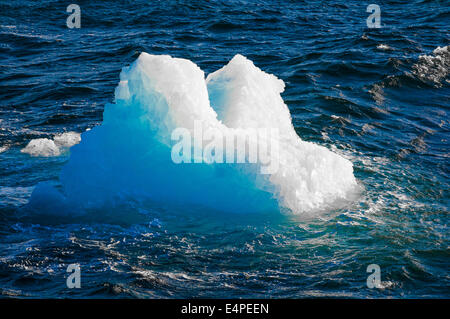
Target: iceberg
{"points": [[41, 147], [48, 148], [129, 156]]}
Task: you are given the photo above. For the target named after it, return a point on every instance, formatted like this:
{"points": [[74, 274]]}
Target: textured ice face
{"points": [[310, 175], [129, 155]]}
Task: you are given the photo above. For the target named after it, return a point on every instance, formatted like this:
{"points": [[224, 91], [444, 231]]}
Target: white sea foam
{"points": [[434, 67], [129, 155], [384, 47]]}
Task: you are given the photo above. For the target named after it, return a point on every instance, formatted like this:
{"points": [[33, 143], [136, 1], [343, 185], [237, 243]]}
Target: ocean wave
{"points": [[433, 68]]}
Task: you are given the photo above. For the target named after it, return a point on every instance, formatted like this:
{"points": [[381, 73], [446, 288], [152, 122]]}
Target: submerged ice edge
{"points": [[130, 153]]}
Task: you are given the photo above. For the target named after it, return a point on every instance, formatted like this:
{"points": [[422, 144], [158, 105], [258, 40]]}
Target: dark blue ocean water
{"points": [[380, 97]]}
